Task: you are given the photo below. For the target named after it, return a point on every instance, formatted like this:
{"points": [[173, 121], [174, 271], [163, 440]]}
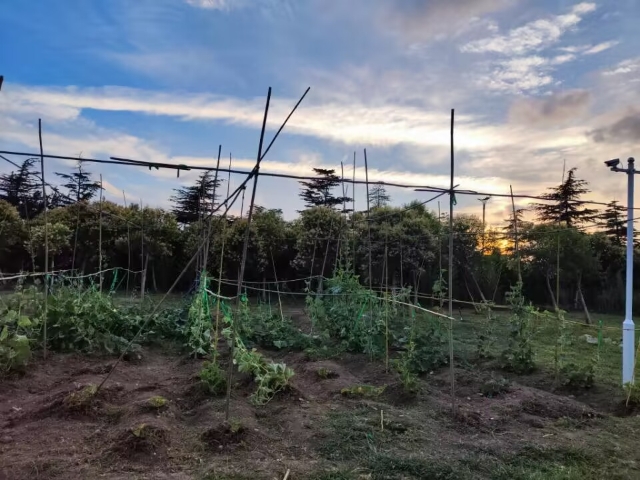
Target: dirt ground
{"points": [[53, 427]]}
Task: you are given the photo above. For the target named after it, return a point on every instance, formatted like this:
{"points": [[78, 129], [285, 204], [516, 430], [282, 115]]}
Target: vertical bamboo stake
{"points": [[450, 289], [128, 244], [46, 243], [143, 266], [515, 233], [224, 230], [386, 310], [440, 254], [275, 277], [75, 239], [213, 201], [366, 173], [100, 237], [353, 214], [246, 238]]}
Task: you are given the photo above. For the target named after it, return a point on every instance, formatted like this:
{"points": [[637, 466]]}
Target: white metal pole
{"points": [[628, 327]]}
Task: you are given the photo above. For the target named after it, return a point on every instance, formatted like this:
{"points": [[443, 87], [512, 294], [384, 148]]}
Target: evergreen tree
{"points": [[378, 196], [566, 207], [193, 202], [22, 189], [80, 187], [614, 219], [317, 192]]}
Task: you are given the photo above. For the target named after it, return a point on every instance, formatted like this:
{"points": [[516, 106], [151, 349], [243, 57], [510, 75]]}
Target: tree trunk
{"points": [[553, 298], [587, 316], [143, 282], [153, 278]]}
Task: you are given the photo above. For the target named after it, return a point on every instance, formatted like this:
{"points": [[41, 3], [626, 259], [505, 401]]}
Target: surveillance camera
{"points": [[612, 163]]}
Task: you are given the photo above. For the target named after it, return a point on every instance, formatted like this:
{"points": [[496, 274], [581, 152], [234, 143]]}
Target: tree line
{"points": [[572, 256]]}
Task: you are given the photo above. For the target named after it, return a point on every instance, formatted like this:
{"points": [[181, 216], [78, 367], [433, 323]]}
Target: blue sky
{"points": [[534, 84]]}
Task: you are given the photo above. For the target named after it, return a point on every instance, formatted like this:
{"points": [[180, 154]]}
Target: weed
{"points": [[495, 387], [632, 393], [213, 378], [157, 402], [366, 391], [325, 373], [82, 398]]}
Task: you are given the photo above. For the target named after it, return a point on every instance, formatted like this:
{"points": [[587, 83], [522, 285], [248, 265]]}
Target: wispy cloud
{"points": [[420, 20], [630, 65], [533, 36], [601, 47], [525, 68], [215, 4]]}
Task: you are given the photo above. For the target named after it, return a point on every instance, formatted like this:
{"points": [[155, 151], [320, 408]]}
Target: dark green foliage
{"points": [[83, 319], [519, 356], [22, 189], [566, 208], [264, 326], [80, 187], [15, 332], [578, 376], [213, 378], [426, 348], [193, 202], [317, 192], [495, 387]]}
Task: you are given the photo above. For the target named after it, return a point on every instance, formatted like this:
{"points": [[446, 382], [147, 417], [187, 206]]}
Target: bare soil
{"points": [[52, 426]]}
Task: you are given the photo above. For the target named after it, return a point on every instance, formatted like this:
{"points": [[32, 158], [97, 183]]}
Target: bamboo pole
{"points": [[275, 277], [124, 196], [450, 286], [100, 237], [353, 214], [143, 280], [46, 243], [246, 240], [213, 201], [366, 173], [515, 234], [75, 239], [386, 310]]}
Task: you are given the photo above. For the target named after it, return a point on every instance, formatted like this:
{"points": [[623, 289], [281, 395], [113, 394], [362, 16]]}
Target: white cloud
{"points": [[630, 65], [349, 123], [214, 4], [533, 36], [601, 47]]}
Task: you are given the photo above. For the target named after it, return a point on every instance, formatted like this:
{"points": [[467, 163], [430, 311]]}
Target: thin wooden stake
{"points": [[450, 286], [100, 237], [143, 266], [366, 173], [246, 241], [124, 197], [224, 230], [275, 277], [46, 244], [515, 234], [353, 214], [213, 201], [75, 239], [386, 310]]}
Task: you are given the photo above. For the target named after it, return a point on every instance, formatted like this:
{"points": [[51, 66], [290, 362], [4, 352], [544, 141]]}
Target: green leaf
{"points": [[24, 322], [5, 334]]}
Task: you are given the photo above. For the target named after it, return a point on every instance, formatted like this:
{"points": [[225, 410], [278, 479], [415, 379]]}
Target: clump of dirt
{"points": [[557, 407], [227, 436], [141, 442], [84, 401]]}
